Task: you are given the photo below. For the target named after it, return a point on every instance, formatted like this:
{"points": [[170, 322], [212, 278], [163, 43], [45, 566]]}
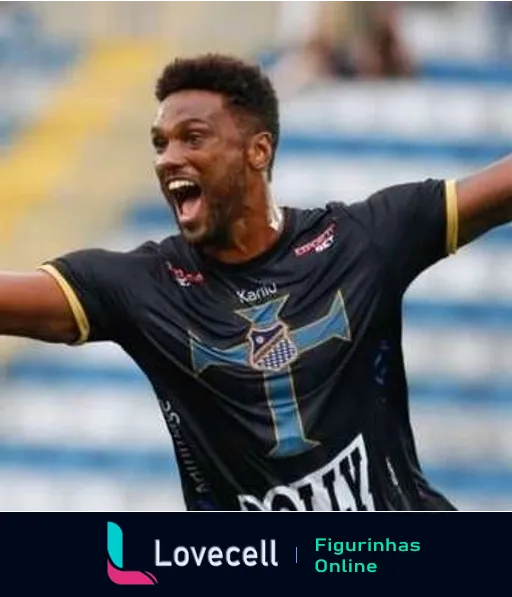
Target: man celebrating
{"points": [[272, 336]]}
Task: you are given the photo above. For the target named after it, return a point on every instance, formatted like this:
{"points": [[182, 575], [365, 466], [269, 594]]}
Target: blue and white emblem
{"points": [[271, 347]]}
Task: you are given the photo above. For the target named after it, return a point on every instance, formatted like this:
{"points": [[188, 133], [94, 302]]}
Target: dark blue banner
{"points": [[246, 553]]}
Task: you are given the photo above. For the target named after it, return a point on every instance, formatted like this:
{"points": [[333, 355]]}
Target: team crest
{"points": [[271, 349], [270, 346]]}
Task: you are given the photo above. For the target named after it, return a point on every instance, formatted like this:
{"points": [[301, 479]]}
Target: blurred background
{"points": [[372, 94]]}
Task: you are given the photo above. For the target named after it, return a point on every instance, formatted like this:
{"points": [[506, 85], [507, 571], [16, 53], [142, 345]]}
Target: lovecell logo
{"points": [[115, 561]]}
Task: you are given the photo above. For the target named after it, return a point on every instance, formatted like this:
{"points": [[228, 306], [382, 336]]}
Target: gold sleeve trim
{"points": [[76, 306], [452, 217]]}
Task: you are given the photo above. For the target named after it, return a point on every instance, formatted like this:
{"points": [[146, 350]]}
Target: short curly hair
{"points": [[244, 86]]}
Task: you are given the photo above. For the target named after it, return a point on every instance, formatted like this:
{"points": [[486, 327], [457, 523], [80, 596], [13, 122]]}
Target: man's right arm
{"points": [[34, 305]]}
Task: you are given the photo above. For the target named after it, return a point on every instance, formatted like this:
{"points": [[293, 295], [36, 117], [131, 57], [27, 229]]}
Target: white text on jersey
{"points": [[341, 484], [251, 296]]}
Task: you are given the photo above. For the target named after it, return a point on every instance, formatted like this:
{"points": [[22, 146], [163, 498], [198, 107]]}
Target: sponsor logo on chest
{"points": [[319, 244], [247, 297], [342, 484], [184, 278]]}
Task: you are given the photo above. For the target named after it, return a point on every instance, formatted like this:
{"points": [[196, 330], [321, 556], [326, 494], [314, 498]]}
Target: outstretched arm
{"points": [[34, 306], [484, 200]]}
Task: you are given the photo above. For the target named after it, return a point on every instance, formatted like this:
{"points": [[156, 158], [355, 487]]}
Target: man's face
{"points": [[201, 164]]}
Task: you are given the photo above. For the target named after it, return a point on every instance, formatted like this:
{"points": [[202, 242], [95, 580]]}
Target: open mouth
{"points": [[187, 196]]}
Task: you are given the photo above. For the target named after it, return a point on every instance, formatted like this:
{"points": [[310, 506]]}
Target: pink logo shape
{"points": [[129, 577]]}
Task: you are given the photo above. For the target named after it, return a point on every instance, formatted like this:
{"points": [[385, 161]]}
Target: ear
{"points": [[260, 151]]}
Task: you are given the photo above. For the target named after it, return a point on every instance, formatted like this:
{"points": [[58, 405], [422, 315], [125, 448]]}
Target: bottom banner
{"points": [[244, 553]]}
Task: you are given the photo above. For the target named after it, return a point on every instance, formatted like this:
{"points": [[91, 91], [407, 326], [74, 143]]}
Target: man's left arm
{"points": [[484, 200]]}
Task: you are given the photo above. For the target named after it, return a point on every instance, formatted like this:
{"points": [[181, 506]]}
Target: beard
{"points": [[224, 208]]}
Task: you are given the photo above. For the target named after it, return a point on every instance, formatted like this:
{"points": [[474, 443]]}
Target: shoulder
{"points": [[110, 266], [312, 218], [173, 247], [331, 227], [381, 213], [397, 202], [335, 214]]}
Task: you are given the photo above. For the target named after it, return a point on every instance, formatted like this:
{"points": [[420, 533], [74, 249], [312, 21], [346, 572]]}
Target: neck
{"points": [[257, 229]]}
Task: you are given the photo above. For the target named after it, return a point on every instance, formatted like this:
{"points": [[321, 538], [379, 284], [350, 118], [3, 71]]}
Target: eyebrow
{"points": [[155, 129]]}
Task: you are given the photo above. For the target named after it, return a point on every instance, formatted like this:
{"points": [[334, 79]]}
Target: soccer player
{"points": [[271, 336]]}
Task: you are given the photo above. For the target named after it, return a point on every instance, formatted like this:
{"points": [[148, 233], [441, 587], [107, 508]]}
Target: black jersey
{"points": [[281, 379]]}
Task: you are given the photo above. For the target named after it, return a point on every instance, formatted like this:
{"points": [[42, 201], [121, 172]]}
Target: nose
{"points": [[172, 159]]}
